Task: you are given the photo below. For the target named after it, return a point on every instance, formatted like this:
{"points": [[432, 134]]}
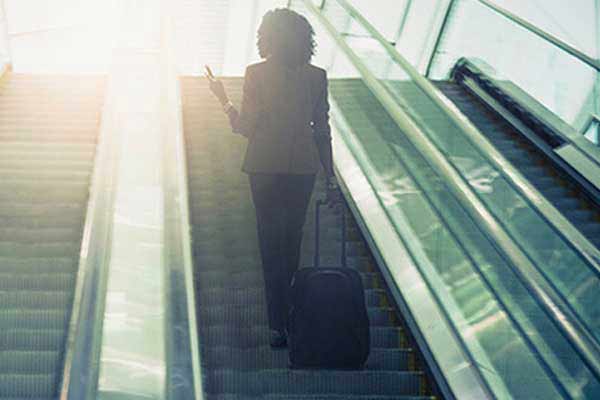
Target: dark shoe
{"points": [[278, 339]]}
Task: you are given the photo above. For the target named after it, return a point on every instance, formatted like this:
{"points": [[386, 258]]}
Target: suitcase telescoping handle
{"points": [[321, 203]]}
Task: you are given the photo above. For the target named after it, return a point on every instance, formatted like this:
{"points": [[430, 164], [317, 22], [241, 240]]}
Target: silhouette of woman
{"points": [[285, 117]]}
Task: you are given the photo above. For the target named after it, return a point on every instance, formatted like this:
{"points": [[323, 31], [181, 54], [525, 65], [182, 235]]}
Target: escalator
{"points": [[498, 288], [555, 180], [48, 132], [237, 361]]}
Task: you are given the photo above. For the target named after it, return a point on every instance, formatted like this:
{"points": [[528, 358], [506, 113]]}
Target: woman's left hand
{"points": [[216, 86]]}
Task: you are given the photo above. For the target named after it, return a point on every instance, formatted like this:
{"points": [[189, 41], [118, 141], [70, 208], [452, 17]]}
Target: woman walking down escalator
{"points": [[285, 117]]}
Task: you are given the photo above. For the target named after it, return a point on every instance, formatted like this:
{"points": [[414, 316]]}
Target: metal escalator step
{"points": [[33, 319], [557, 193], [514, 152], [227, 279], [14, 191], [234, 263], [315, 397], [565, 203], [215, 246], [264, 357], [40, 235], [16, 157], [592, 230], [29, 362], [52, 250], [220, 278], [213, 253], [55, 282], [248, 315], [81, 149], [35, 300], [580, 216], [37, 136], [37, 265], [255, 295], [534, 171], [51, 175], [41, 221], [314, 382], [37, 118], [544, 183], [67, 210], [31, 339], [27, 385], [258, 335]]}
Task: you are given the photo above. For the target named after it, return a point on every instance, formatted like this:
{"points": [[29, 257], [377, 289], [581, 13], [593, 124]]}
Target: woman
{"points": [[284, 115]]}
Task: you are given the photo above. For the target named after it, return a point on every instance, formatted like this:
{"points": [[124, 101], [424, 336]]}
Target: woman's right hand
{"points": [[216, 86]]}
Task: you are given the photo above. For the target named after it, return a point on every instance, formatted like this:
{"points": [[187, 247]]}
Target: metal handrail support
{"points": [[592, 62], [544, 291]]}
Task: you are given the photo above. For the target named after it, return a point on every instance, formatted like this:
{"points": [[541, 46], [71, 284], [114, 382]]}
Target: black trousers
{"points": [[280, 202]]}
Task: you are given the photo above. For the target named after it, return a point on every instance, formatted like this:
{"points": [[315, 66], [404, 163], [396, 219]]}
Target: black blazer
{"points": [[284, 111]]}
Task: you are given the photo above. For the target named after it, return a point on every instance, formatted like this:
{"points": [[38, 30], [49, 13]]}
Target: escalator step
{"points": [[258, 335], [39, 235], [31, 339], [34, 319], [223, 279], [35, 300], [14, 191], [27, 385], [316, 397], [256, 358], [255, 295], [47, 282], [314, 382], [41, 221], [52, 250], [29, 362], [54, 175], [249, 315], [592, 229], [38, 265], [566, 203], [580, 216]]}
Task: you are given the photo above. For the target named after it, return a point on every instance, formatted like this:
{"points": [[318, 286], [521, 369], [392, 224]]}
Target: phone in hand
{"points": [[209, 74]]}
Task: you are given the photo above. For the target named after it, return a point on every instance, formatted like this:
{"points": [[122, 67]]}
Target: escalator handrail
{"points": [[564, 318], [592, 62], [177, 216], [82, 345]]}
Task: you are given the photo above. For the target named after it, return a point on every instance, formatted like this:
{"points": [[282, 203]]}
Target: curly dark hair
{"points": [[287, 36]]}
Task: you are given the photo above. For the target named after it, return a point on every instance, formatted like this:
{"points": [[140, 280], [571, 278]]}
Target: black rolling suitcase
{"points": [[328, 325]]}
